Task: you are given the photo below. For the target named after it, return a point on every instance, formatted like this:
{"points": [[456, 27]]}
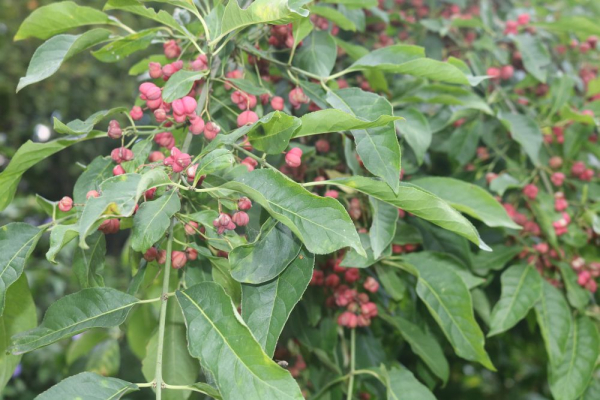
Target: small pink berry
{"points": [[371, 284], [118, 170], [114, 130], [171, 49], [155, 70], [197, 126], [108, 226], [151, 254], [523, 19], [578, 168], [531, 191], [369, 309], [244, 204], [583, 277], [165, 139], [506, 72], [162, 257], [240, 218], [121, 154], [156, 156], [92, 193], [184, 106], [348, 319], [555, 162], [297, 97], [136, 113], [178, 259], [65, 204], [334, 194], [277, 103], [191, 228], [191, 172], [322, 146], [211, 130], [293, 158], [191, 254], [246, 118], [352, 275], [493, 72]]}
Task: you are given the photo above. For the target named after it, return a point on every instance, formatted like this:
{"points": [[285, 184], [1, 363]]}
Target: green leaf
{"points": [[554, 318], [422, 343], [593, 390], [261, 261], [486, 261], [84, 344], [535, 56], [409, 60], [60, 17], [75, 313], [272, 133], [79, 127], [219, 338], [332, 120], [417, 201], [88, 264], [207, 389], [401, 384], [570, 378], [383, 227], [416, 131], [142, 66], [301, 28], [354, 3], [141, 324], [321, 223], [562, 92], [248, 86], [448, 95], [578, 297], [27, 156], [578, 24], [19, 315], [354, 260], [17, 241], [378, 148], [267, 307], [48, 58], [152, 220], [392, 283], [213, 161], [141, 150], [60, 236], [317, 55], [180, 84], [134, 6], [82, 385], [121, 48], [526, 132], [96, 172], [462, 145], [334, 16], [469, 199], [105, 358], [259, 12], [521, 289], [449, 302]]}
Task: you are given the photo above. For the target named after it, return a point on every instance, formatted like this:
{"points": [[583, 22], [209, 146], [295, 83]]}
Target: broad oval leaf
{"points": [[213, 161], [449, 302], [526, 132], [495, 260], [321, 223], [180, 84], [96, 172], [535, 56], [17, 241], [48, 58], [570, 378], [332, 120], [80, 386], [152, 220], [334, 16], [521, 289], [263, 260], [415, 129], [219, 338], [88, 264], [383, 227], [60, 17], [470, 199], [125, 46], [317, 55], [401, 384], [75, 313], [266, 307], [272, 133]]}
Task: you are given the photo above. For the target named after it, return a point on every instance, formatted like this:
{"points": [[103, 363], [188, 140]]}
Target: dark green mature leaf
{"points": [[383, 227], [125, 46], [134, 6], [526, 132], [96, 172], [152, 220], [19, 315], [334, 16], [214, 161], [409, 60], [486, 261], [448, 95], [180, 84], [79, 127], [272, 133], [449, 302], [17, 241], [570, 378], [219, 338], [263, 260], [378, 148], [391, 282], [207, 389], [354, 260], [422, 343], [27, 156], [321, 223], [267, 307], [535, 55], [401, 384], [83, 385], [317, 54], [60, 17], [332, 120], [578, 296], [554, 318], [521, 289], [105, 358], [48, 58], [75, 313], [84, 344], [462, 145], [416, 201], [248, 86], [593, 390], [415, 129], [470, 199], [88, 264]]}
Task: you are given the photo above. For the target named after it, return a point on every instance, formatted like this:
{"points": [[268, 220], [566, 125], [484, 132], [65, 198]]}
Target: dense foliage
{"points": [[327, 200]]}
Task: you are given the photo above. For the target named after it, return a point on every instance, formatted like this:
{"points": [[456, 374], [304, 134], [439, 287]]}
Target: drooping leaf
{"points": [[80, 386], [219, 338], [401, 384], [383, 227], [75, 313], [263, 260], [79, 127], [570, 377], [60, 236], [48, 58], [322, 224], [135, 7], [535, 55], [470, 199], [415, 129], [180, 84], [88, 264], [96, 172], [391, 282], [317, 54], [526, 132], [273, 132], [19, 315], [449, 302], [448, 95], [267, 306], [334, 16], [152, 220], [494, 260], [332, 120], [17, 241], [378, 148], [521, 289], [354, 260], [578, 296], [59, 17], [123, 47], [248, 86]]}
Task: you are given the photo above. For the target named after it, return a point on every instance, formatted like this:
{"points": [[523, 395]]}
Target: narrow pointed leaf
{"points": [[223, 343], [401, 384], [96, 172], [495, 260], [60, 236], [82, 385], [521, 289], [266, 307], [17, 241], [415, 129], [134, 7], [79, 127], [535, 56], [152, 220], [332, 120], [123, 47], [88, 264], [383, 227], [75, 313], [526, 132]]}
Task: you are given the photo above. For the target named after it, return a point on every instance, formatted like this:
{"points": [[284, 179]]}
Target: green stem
{"points": [[352, 363], [163, 314], [261, 161]]}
